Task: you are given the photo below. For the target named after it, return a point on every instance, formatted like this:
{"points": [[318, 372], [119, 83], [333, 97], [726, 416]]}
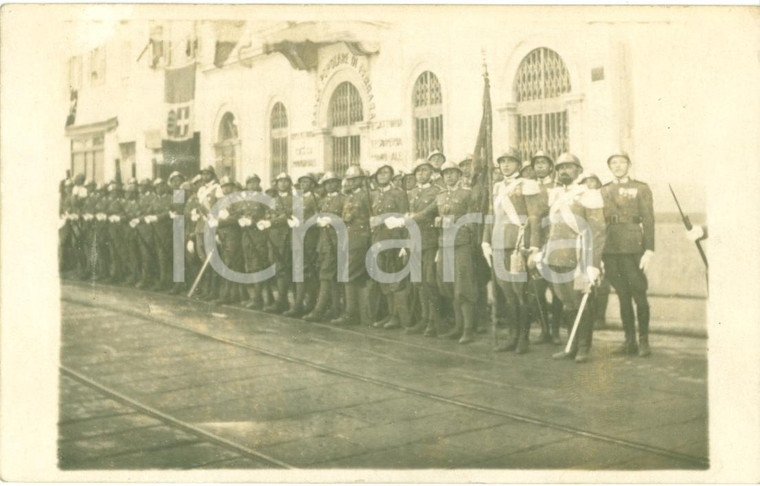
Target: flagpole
{"points": [[488, 149]]}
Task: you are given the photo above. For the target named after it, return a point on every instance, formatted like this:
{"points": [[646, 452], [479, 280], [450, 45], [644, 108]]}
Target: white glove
{"points": [[437, 255], [392, 223], [190, 247], [224, 214], [134, 222], [695, 233], [87, 216], [101, 216], [487, 251], [645, 259], [147, 219], [62, 222], [212, 223], [194, 215], [593, 273], [74, 217], [402, 253], [323, 221], [172, 214], [263, 224], [243, 222], [293, 222], [218, 241]]}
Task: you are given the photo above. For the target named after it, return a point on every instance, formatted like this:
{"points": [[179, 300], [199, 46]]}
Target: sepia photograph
{"points": [[382, 238]]}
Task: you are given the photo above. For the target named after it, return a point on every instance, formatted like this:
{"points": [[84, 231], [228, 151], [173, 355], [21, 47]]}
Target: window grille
{"points": [[345, 111], [227, 146], [428, 115], [278, 123], [542, 122]]}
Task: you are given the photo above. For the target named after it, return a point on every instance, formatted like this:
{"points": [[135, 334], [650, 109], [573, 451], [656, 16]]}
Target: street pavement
{"points": [[205, 386]]}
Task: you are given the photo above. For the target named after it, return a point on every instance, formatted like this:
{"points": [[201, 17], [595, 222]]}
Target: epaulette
{"points": [[530, 187]]}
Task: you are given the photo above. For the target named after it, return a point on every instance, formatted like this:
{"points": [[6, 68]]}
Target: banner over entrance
{"points": [[179, 95]]}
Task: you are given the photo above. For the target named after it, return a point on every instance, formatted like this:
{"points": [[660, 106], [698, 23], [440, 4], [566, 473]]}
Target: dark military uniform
{"points": [[146, 238], [230, 249], [162, 230], [207, 196], [327, 250], [255, 248], [629, 214], [306, 291], [131, 207], [453, 203], [117, 225], [540, 284], [423, 210], [189, 209], [384, 202], [280, 240]]}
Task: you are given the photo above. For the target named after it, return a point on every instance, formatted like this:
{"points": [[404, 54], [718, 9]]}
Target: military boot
{"points": [[434, 322], [510, 344], [469, 323], [455, 332], [281, 304], [353, 312], [297, 310], [323, 301]]}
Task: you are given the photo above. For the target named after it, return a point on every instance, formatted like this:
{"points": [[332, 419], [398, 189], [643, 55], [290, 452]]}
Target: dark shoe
{"points": [[416, 329], [254, 305], [509, 345], [313, 317], [430, 332], [466, 337], [343, 322], [644, 350], [582, 356], [544, 338], [296, 311], [556, 339], [522, 345], [455, 333], [627, 348], [393, 323], [275, 309]]}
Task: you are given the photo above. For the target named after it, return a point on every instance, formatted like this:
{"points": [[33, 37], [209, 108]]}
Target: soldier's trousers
{"points": [[426, 291], [256, 259], [571, 299], [630, 284], [148, 260], [118, 251], [513, 291]]}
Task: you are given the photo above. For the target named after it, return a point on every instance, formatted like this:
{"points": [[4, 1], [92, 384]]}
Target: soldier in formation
{"points": [[126, 235]]}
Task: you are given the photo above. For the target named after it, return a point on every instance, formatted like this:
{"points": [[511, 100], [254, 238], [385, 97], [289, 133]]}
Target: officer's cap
{"points": [[421, 163], [541, 155], [434, 153], [226, 181], [176, 174], [619, 153], [511, 154], [329, 176], [450, 166], [252, 177], [568, 158], [353, 172], [283, 175]]}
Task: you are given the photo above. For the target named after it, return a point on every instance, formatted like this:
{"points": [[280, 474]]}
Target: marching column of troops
{"points": [[124, 235]]}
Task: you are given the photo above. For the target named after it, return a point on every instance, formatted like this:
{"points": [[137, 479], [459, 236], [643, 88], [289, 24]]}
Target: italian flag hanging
{"points": [[179, 94]]}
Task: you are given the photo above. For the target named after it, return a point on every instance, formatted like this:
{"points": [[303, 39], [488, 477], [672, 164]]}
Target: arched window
{"points": [[428, 115], [345, 111], [278, 139], [227, 146], [541, 82]]}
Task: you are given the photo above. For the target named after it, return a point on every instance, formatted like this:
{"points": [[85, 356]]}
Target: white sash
{"points": [[562, 205], [502, 200]]}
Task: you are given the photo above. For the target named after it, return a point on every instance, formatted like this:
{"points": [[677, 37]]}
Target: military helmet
{"points": [[421, 163], [79, 178], [588, 175], [541, 155], [186, 186], [252, 177], [176, 174], [158, 181], [466, 160], [146, 182], [619, 153], [450, 166], [68, 183], [91, 183], [283, 175], [112, 187], [526, 165], [197, 179], [383, 166], [132, 182], [226, 181], [568, 158], [131, 188], [329, 176], [434, 153], [309, 176], [511, 154], [353, 172], [209, 170]]}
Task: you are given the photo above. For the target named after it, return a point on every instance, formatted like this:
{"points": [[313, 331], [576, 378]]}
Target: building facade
{"points": [[310, 96]]}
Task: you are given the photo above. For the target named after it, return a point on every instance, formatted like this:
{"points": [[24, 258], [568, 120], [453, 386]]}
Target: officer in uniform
{"points": [[452, 203], [229, 242], [543, 166], [423, 210], [603, 289], [186, 209], [255, 242], [356, 214], [437, 159], [517, 212], [145, 234], [131, 239], [77, 223], [116, 234], [629, 212], [327, 249], [208, 193], [162, 225], [101, 243], [386, 200], [281, 236], [576, 213], [306, 291]]}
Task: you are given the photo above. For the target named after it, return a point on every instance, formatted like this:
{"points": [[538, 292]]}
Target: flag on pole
{"points": [[482, 156], [179, 94]]}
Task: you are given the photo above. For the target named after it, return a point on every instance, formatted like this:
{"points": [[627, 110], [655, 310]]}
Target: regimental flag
{"points": [[179, 95], [482, 156]]}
